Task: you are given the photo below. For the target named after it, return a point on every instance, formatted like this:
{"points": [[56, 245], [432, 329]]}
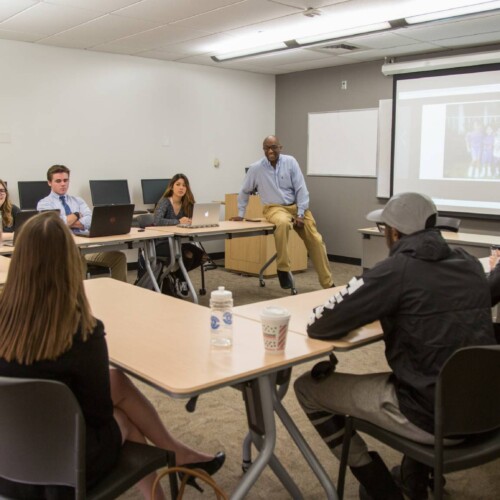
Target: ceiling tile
{"points": [[99, 31], [168, 11], [442, 30], [102, 6], [306, 4], [152, 39], [372, 55], [9, 8], [47, 19], [20, 37]]}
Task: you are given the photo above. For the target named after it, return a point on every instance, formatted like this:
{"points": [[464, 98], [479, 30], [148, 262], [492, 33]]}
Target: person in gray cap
{"points": [[431, 300]]}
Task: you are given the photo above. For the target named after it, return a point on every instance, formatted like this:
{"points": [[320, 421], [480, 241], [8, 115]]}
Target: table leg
{"points": [[304, 448], [265, 384], [150, 254]]}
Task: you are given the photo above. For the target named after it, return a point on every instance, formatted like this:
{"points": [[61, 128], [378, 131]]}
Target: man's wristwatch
{"points": [[77, 215]]}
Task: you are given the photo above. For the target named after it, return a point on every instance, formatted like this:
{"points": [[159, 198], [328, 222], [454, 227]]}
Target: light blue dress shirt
{"points": [[283, 185], [53, 202]]}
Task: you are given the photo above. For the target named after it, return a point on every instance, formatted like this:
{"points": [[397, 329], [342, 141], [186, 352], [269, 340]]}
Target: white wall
{"points": [[108, 116]]}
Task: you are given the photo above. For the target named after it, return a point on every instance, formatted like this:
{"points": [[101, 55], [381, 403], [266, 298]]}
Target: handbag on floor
{"points": [[186, 475]]}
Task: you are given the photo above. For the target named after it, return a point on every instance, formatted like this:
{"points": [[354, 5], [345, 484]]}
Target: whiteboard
{"points": [[343, 143]]}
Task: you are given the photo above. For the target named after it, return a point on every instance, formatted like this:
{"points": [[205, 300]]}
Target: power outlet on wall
{"points": [[343, 85]]}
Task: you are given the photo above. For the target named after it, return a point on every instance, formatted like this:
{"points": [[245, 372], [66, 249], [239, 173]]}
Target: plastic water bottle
{"points": [[221, 318]]}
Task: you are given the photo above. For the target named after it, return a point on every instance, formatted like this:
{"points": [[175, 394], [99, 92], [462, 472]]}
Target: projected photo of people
{"points": [[472, 141]]}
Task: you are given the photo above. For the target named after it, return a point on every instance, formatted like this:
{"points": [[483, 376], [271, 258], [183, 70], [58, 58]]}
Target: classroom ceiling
{"points": [[191, 31]]}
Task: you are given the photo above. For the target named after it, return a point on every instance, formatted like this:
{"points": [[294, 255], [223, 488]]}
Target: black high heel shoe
{"points": [[210, 467]]}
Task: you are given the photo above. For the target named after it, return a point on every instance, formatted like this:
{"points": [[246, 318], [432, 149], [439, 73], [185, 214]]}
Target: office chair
{"points": [[466, 404], [448, 223], [42, 432]]}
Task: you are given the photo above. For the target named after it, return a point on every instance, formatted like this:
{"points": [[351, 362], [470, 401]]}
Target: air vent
{"points": [[335, 48]]}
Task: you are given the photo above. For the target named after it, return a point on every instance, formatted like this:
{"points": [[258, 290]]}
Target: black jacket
{"points": [[430, 300]]}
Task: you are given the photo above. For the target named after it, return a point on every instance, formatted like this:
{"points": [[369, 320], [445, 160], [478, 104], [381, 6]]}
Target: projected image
{"points": [[472, 141]]}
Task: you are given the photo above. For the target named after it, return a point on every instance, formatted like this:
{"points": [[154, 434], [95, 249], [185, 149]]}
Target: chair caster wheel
{"points": [[202, 291], [294, 291], [262, 283], [245, 465]]}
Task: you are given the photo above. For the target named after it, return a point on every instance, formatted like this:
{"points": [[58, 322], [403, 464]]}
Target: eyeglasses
{"points": [[3, 191], [274, 147], [381, 227]]}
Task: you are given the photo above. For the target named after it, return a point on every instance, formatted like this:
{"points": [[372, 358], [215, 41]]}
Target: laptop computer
{"points": [[19, 220], [204, 215], [109, 220]]}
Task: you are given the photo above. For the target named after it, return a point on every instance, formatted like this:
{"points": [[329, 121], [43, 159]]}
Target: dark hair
{"points": [[187, 200], [56, 169]]}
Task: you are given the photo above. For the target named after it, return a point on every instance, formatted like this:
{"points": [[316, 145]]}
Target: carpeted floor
{"points": [[219, 422]]}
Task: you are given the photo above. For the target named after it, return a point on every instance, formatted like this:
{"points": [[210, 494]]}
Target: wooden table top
{"points": [[166, 341], [225, 226], [301, 306]]}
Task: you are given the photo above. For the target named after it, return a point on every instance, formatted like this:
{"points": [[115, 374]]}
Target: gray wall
{"points": [[339, 204]]}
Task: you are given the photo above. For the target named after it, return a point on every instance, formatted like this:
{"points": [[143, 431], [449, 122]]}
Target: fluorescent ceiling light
{"points": [[459, 11], [358, 30], [251, 51], [441, 63]]}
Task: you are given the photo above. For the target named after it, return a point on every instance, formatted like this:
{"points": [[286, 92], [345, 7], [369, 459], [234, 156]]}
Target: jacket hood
{"points": [[423, 245]]}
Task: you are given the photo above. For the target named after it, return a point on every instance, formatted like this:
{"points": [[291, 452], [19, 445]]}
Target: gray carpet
{"points": [[219, 422]]}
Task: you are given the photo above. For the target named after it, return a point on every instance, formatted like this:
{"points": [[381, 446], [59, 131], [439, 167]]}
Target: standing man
{"points": [[77, 215], [431, 300], [284, 194]]}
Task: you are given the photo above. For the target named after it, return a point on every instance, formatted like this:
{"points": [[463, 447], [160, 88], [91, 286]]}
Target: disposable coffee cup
{"points": [[275, 328]]}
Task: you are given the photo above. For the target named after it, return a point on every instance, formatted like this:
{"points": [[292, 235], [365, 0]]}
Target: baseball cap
{"points": [[406, 212]]}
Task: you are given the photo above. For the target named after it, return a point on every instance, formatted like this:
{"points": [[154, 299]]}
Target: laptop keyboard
{"points": [[196, 226]]}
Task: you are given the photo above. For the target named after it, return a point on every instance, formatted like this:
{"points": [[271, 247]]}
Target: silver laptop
{"points": [[204, 215]]}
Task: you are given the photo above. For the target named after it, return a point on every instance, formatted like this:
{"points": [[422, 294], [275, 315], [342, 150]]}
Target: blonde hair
{"points": [[6, 208], [187, 201], [43, 303]]}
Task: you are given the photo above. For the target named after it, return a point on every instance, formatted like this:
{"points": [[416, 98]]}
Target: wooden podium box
{"points": [[248, 255]]}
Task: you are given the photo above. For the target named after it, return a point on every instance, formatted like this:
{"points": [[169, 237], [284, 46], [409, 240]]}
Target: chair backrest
{"points": [[42, 434], [448, 223], [145, 220], [468, 392]]}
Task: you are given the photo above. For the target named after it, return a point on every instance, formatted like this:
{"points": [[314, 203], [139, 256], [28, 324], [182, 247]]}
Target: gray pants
{"points": [[371, 397]]}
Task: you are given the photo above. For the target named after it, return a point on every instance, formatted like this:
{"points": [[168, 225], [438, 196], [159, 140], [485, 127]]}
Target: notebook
{"points": [[109, 220], [204, 215]]}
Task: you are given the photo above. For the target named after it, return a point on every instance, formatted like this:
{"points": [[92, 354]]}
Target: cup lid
{"points": [[275, 312]]}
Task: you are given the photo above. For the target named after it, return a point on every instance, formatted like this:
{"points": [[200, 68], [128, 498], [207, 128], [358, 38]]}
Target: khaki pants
{"points": [[281, 216], [116, 261]]}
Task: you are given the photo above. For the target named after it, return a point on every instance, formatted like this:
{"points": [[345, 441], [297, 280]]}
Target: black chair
{"points": [[448, 223], [42, 432], [466, 404]]}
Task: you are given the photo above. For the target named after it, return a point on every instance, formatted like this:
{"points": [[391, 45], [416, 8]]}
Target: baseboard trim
{"points": [[344, 260]]}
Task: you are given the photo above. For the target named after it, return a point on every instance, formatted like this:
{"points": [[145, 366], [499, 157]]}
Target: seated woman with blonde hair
{"points": [[7, 208], [47, 331]]}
